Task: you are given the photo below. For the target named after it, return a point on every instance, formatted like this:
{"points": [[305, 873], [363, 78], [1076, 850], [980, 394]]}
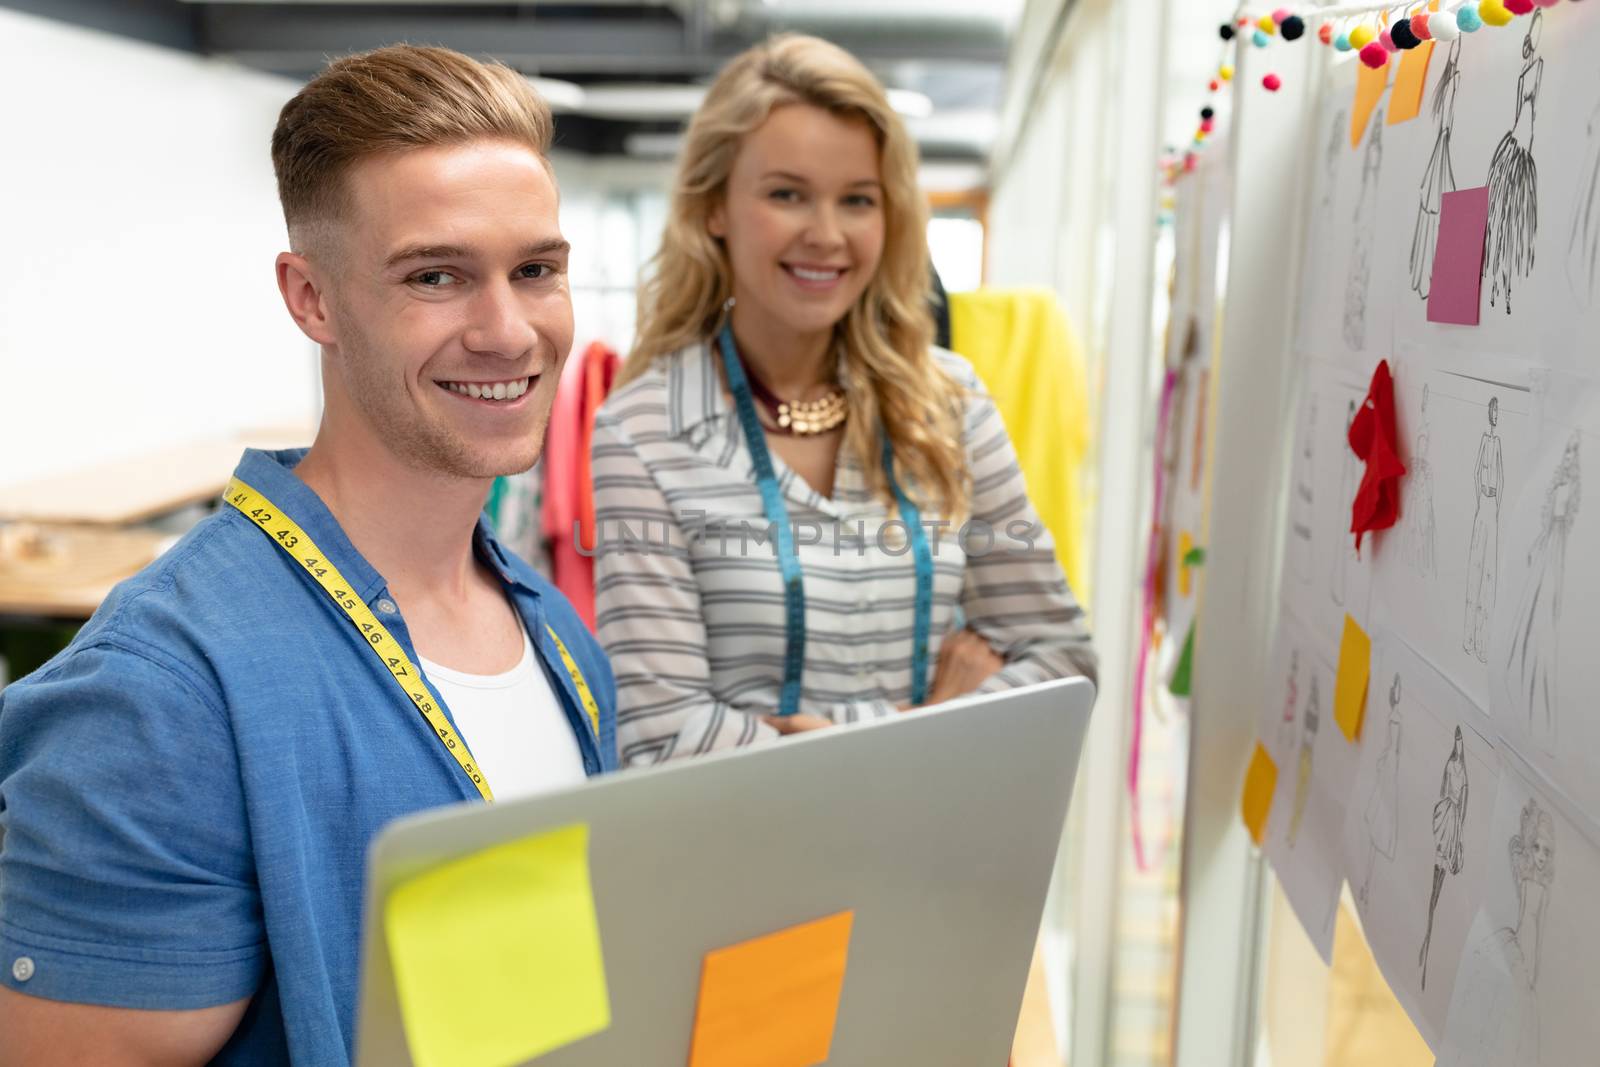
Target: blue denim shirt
{"points": [[187, 793]]}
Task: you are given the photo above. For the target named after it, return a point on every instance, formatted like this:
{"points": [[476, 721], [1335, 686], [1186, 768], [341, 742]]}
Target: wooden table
{"points": [[139, 488], [64, 572]]}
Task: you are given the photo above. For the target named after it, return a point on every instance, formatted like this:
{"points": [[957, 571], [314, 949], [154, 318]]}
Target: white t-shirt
{"points": [[514, 726]]}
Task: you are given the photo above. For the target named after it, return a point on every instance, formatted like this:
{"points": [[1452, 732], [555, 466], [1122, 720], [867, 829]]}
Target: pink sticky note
{"points": [[1458, 258]]}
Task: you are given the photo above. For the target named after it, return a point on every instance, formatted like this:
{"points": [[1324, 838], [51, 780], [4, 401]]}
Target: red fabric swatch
{"points": [[1372, 438]]}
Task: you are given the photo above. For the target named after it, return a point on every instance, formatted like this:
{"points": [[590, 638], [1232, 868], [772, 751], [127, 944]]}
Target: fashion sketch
{"points": [[1344, 548], [1439, 178], [1531, 673], [1365, 228], [1308, 740], [1483, 552], [1508, 243], [1420, 531], [1382, 815], [1300, 505], [1291, 701], [1495, 1007], [1330, 158], [1449, 819], [1583, 247]]}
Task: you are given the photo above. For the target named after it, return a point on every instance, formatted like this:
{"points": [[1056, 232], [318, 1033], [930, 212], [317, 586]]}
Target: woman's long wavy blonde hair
{"points": [[890, 377]]}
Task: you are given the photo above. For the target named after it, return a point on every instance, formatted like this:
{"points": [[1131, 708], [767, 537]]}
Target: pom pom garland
{"points": [[1325, 33], [1272, 83], [1402, 35], [1226, 73], [1281, 16], [1225, 31], [1215, 85], [1493, 13], [1208, 125], [1442, 27], [1467, 20], [1387, 41], [1260, 39], [1293, 27], [1519, 7], [1420, 26], [1374, 55], [1208, 112], [1362, 36], [1266, 25], [1342, 42]]}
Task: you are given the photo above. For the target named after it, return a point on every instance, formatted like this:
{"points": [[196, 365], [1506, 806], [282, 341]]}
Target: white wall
{"points": [[140, 221]]}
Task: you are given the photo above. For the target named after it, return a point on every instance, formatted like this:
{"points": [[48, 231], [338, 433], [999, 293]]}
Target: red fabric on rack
{"points": [[1372, 438], [567, 517]]}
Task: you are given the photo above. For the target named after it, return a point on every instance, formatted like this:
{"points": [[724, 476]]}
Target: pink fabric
{"points": [[568, 511]]}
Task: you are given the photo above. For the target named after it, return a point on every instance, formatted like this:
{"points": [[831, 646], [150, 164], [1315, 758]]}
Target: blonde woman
{"points": [[798, 498]]}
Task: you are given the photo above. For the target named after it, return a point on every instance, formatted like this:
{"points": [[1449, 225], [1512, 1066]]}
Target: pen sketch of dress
{"points": [[1508, 243], [1344, 547], [1494, 1010], [1300, 506], [1583, 247], [1483, 552], [1439, 178], [1383, 805], [1449, 817], [1308, 740], [1531, 673], [1418, 514], [1331, 157], [1365, 227]]}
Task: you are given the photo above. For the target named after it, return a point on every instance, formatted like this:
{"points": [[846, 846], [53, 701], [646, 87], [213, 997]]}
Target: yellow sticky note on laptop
{"points": [[1350, 689], [497, 955]]}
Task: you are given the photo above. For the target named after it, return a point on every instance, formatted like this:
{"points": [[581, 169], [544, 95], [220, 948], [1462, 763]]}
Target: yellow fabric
{"points": [[1029, 358]]}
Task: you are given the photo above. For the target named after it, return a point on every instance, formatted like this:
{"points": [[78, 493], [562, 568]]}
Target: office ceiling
{"points": [[634, 64]]}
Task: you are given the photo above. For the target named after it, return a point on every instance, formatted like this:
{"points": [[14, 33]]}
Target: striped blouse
{"points": [[689, 598]]}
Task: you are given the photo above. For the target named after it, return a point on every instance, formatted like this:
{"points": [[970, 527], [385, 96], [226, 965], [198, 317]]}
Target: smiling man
{"points": [[187, 793]]}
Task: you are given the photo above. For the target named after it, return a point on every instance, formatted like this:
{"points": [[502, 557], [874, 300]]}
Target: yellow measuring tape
{"points": [[292, 539]]}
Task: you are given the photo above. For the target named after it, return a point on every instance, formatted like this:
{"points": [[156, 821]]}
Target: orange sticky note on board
{"points": [[1350, 690], [773, 1001], [1185, 578], [1259, 782], [1370, 85], [1405, 103]]}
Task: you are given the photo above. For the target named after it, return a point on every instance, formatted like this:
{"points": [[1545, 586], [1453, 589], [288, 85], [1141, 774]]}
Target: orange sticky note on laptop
{"points": [[772, 1001]]}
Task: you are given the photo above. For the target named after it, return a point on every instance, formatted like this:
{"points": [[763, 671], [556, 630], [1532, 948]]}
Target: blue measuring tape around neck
{"points": [[777, 513]]}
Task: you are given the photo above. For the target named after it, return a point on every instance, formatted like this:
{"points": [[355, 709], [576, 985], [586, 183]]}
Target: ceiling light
{"points": [[910, 103], [560, 95]]}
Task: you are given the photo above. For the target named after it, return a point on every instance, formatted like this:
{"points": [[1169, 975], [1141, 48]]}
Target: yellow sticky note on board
{"points": [[1370, 85], [773, 1001], [1350, 689], [1405, 102], [1259, 782], [497, 955]]}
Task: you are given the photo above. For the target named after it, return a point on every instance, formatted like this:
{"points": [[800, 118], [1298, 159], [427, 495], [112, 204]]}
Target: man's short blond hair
{"points": [[391, 100]]}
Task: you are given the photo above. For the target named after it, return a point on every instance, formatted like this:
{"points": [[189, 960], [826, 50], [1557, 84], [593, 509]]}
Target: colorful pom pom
{"points": [[1325, 33], [1272, 83], [1293, 27], [1400, 33], [1266, 25], [1260, 39], [1493, 13], [1362, 36], [1208, 112], [1374, 55], [1547, 3], [1226, 73], [1519, 7], [1208, 125], [1387, 40], [1225, 31], [1281, 16], [1421, 25], [1342, 42], [1215, 85], [1467, 20], [1442, 27]]}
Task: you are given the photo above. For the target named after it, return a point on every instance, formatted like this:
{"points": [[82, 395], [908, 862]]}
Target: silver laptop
{"points": [[938, 828]]}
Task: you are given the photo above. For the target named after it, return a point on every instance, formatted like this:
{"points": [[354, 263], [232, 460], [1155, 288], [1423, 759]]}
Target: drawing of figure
{"points": [[1495, 1005], [1449, 819], [1418, 513], [1531, 664], [1344, 547], [1583, 247], [1366, 221], [1483, 552], [1330, 158], [1300, 505], [1383, 805], [1514, 181], [1308, 739], [1291, 701], [1439, 178]]}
